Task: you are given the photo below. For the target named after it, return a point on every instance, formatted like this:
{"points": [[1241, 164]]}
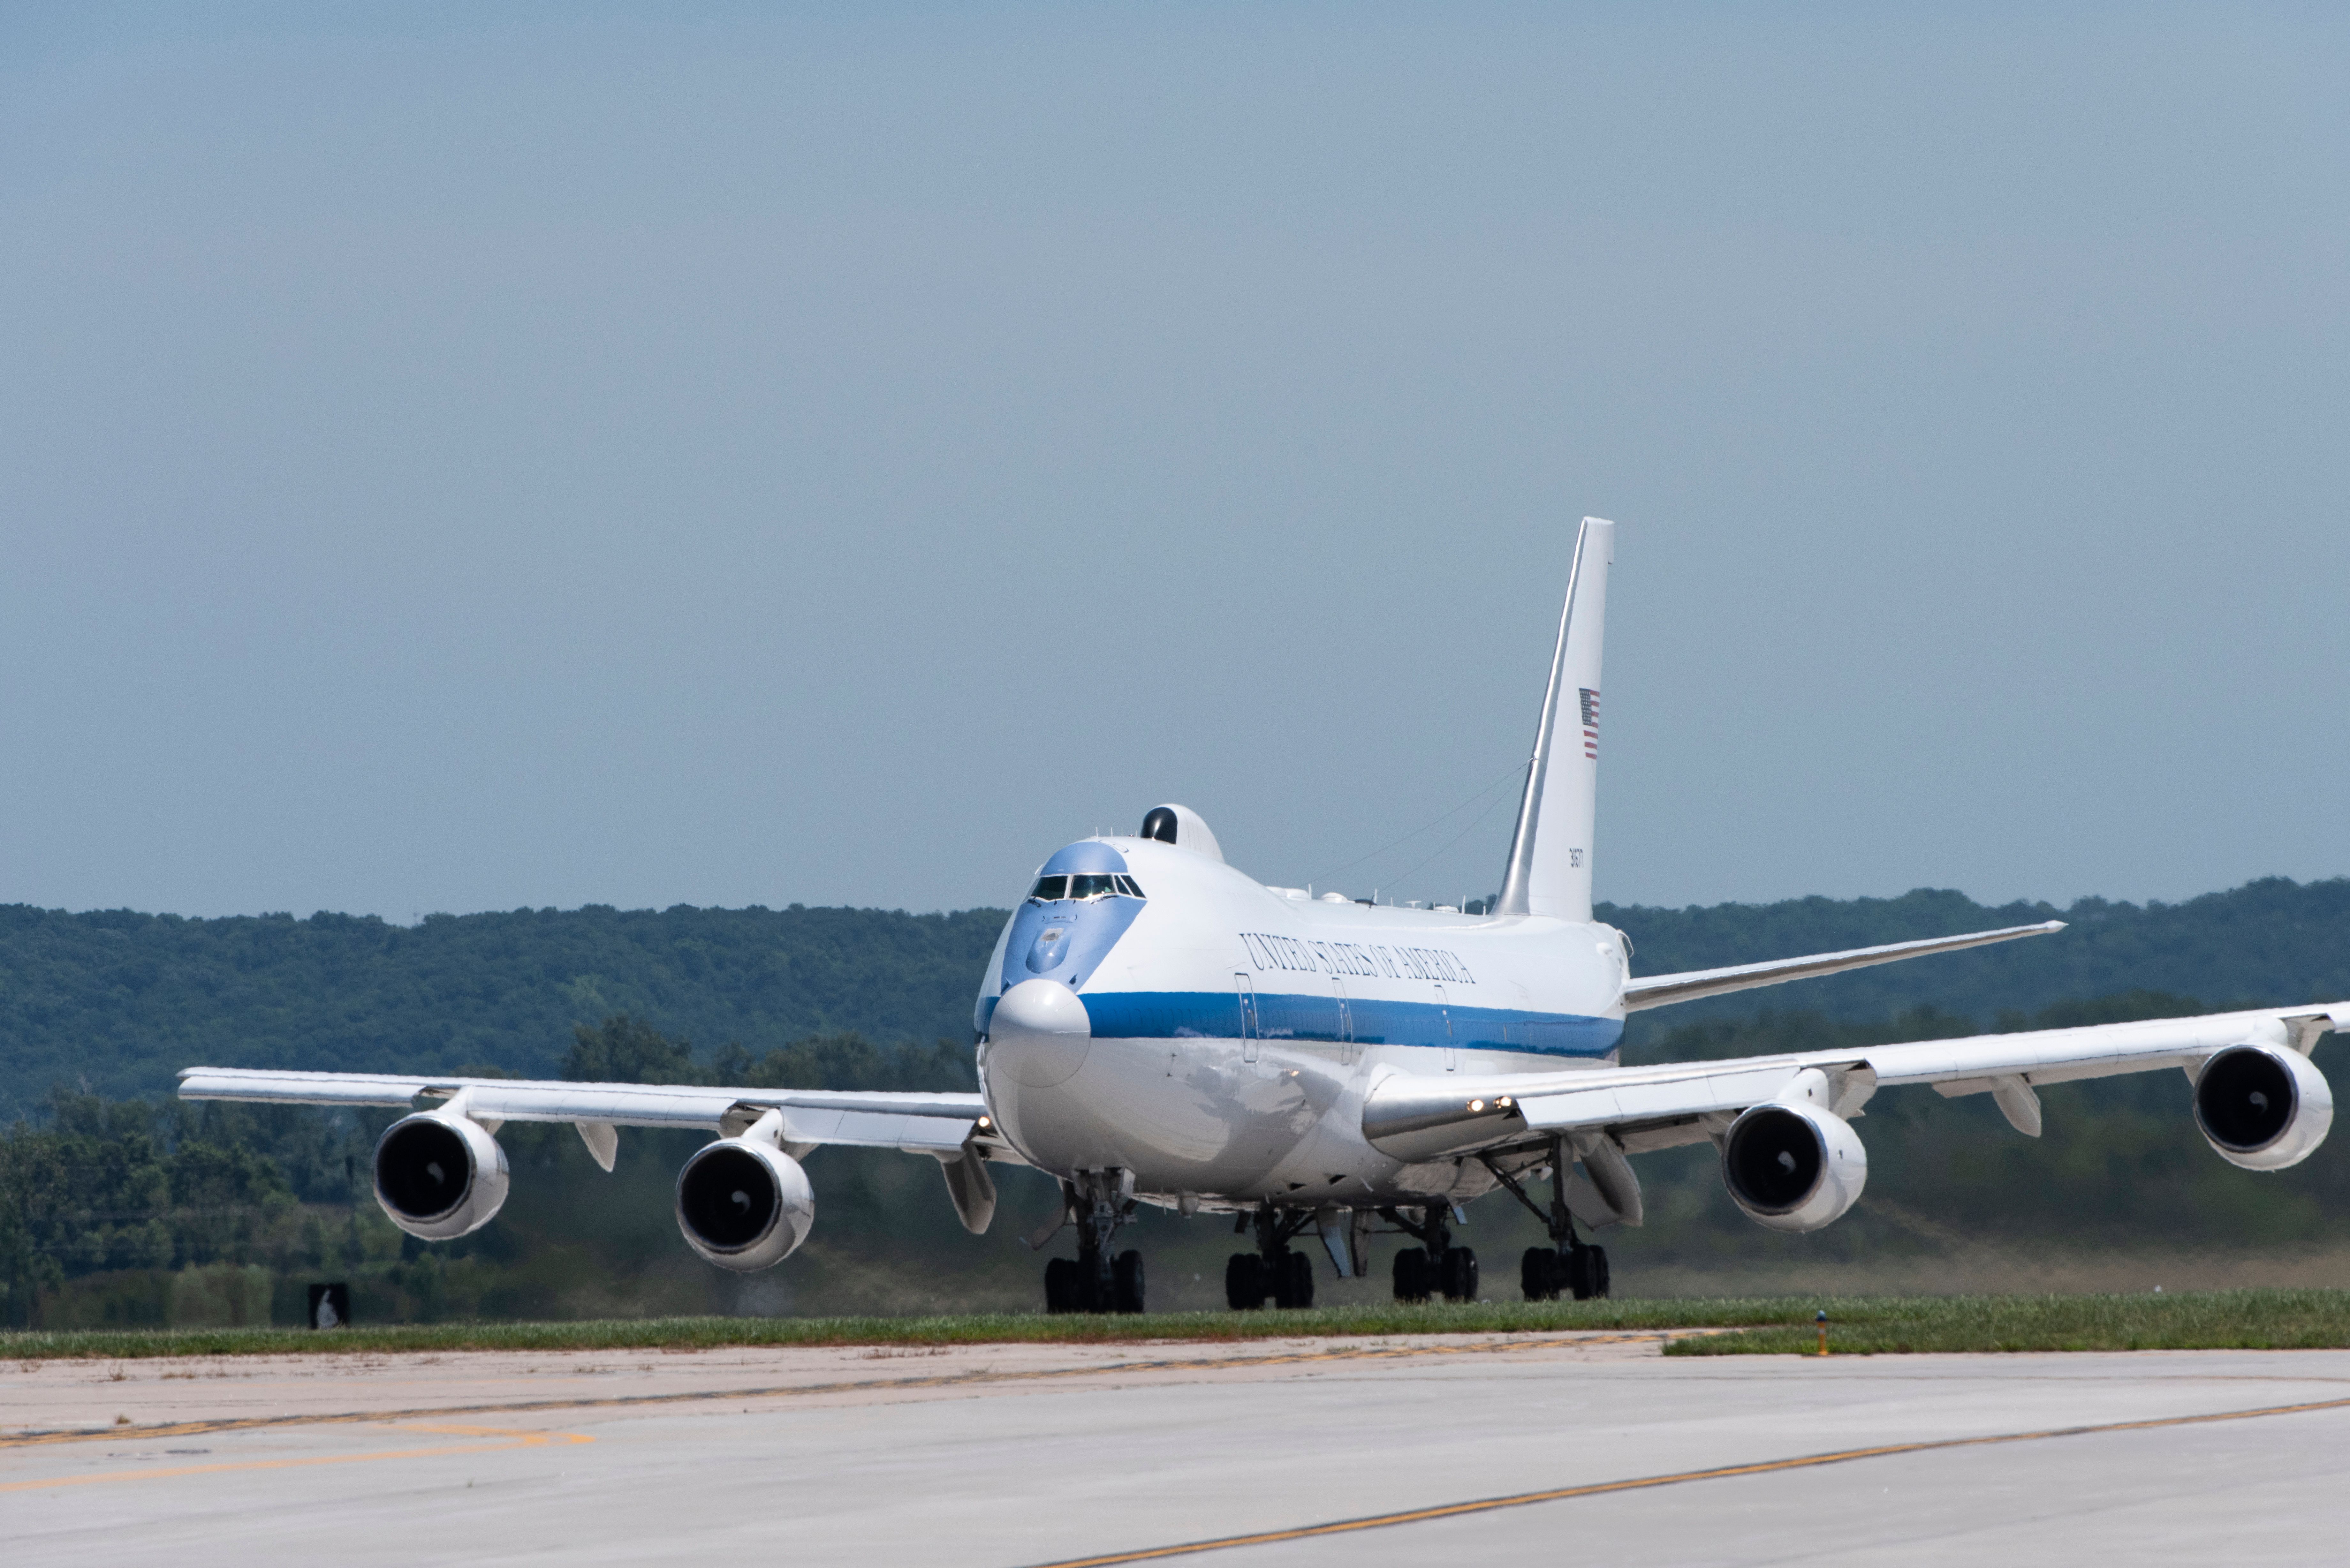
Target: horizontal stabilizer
{"points": [[1657, 991]]}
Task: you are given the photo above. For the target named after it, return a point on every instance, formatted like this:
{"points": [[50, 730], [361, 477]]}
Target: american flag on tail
{"points": [[1590, 723]]}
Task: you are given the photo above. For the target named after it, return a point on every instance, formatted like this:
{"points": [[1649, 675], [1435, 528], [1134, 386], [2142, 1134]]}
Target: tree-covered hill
{"points": [[119, 1001], [2274, 941], [158, 1211]]}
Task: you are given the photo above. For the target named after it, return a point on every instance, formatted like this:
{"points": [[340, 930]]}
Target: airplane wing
{"points": [[1657, 991], [1605, 1114], [941, 1124]]}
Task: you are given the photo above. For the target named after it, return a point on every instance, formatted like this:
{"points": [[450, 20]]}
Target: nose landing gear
{"points": [[1095, 1281]]}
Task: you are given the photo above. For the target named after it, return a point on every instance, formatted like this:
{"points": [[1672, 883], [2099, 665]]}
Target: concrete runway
{"points": [[1008, 1455]]}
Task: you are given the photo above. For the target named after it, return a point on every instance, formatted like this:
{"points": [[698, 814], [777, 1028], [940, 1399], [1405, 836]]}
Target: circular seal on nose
{"points": [[1040, 1034], [1052, 945]]}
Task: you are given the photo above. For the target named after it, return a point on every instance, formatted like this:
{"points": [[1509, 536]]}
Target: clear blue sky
{"points": [[460, 457]]}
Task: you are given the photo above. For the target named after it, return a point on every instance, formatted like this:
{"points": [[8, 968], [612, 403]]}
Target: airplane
{"points": [[1156, 1027]]}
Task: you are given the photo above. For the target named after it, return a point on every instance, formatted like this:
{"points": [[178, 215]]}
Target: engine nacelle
{"points": [[1793, 1165], [440, 1174], [2263, 1107], [743, 1204]]}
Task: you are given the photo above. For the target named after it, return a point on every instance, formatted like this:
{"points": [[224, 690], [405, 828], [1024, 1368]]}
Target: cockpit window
{"points": [[1084, 885]]}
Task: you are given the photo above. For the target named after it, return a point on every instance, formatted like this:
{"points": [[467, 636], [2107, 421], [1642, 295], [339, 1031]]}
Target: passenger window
{"points": [[1091, 887], [1051, 888]]}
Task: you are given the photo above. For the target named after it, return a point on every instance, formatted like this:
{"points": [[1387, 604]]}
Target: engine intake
{"points": [[439, 1174], [2262, 1107], [1792, 1166], [743, 1204]]}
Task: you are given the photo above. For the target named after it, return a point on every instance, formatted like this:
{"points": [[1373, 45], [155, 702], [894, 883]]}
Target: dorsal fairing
{"points": [[1549, 870]]}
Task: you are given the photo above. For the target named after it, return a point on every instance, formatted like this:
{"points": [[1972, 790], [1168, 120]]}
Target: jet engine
{"points": [[1793, 1165], [743, 1204], [2262, 1107], [440, 1174]]}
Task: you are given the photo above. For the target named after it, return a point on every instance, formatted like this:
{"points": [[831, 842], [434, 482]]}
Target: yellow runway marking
{"points": [[802, 1390], [511, 1440], [1723, 1472]]}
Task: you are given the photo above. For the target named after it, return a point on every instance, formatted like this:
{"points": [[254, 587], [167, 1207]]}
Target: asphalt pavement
{"points": [[1588, 1448]]}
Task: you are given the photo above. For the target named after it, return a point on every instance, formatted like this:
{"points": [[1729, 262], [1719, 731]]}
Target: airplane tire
{"points": [[1538, 1275], [1411, 1276], [1244, 1283], [1297, 1275], [1588, 1273], [1126, 1283], [1064, 1286], [1460, 1274]]}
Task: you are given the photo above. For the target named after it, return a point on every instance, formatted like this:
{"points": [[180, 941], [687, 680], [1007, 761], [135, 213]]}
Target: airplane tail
{"points": [[1550, 858]]}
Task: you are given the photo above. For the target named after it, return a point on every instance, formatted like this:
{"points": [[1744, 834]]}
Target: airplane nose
{"points": [[1039, 1034]]}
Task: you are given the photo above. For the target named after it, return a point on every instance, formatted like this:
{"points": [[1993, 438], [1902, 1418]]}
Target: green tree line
{"points": [[125, 1212], [137, 1212], [2273, 941], [114, 1002]]}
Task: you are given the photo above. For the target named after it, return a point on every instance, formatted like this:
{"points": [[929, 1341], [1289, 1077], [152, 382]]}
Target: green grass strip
{"points": [[1782, 1325], [978, 1328], [2185, 1320]]}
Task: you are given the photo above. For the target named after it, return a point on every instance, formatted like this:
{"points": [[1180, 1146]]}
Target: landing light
{"points": [[1476, 1106], [986, 1123], [1501, 1104]]}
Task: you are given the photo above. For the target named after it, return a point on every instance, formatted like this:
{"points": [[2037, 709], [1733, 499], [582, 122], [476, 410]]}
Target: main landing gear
{"points": [[1272, 1270], [1435, 1267], [1569, 1266], [1095, 1281]]}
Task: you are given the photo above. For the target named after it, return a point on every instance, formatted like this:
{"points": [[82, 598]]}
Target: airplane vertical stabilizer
{"points": [[1550, 858]]}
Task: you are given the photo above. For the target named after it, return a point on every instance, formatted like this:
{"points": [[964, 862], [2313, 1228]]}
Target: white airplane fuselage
{"points": [[1216, 1037]]}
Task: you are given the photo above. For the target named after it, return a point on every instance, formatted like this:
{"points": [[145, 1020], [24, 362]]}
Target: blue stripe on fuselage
{"points": [[1216, 1015]]}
